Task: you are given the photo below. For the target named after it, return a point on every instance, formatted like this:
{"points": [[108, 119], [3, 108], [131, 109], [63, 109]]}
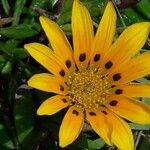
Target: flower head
{"points": [[95, 80]]}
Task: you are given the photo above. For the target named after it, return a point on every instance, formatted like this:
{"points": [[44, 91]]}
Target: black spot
{"points": [[113, 103], [64, 100], [116, 76], [108, 65], [97, 57], [82, 57], [119, 91], [68, 63], [61, 88], [75, 112], [62, 73], [92, 113], [103, 105], [104, 112], [113, 86]]}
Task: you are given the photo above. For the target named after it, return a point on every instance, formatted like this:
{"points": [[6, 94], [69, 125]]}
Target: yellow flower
{"points": [[95, 80]]}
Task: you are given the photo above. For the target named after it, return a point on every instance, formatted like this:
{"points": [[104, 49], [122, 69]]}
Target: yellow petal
{"points": [[133, 90], [53, 105], [71, 126], [130, 109], [134, 69], [121, 133], [45, 56], [104, 34], [117, 128], [58, 41], [82, 30], [48, 83], [100, 125], [128, 44]]}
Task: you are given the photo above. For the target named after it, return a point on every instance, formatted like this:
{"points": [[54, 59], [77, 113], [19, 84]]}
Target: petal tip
{"points": [[26, 46], [39, 112], [62, 144], [41, 18]]}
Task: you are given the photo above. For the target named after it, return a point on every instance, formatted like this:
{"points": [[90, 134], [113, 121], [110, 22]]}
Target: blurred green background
{"points": [[20, 127]]}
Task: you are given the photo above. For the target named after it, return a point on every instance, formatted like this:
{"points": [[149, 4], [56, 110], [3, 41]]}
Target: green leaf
{"points": [[19, 5], [144, 8], [44, 4], [6, 6], [7, 68], [80, 143], [10, 48], [20, 53], [95, 8], [96, 144], [135, 126], [19, 32], [4, 138], [24, 119], [131, 16], [65, 14], [144, 143], [2, 61]]}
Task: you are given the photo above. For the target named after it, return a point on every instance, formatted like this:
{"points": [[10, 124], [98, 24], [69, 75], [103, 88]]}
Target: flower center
{"points": [[89, 89]]}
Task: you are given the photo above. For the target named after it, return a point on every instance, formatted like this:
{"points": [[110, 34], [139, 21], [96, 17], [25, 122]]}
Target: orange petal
{"points": [[104, 35], [58, 41], [133, 90], [71, 126], [45, 56], [127, 45], [53, 105], [134, 69], [83, 34], [100, 124], [48, 83], [121, 133], [115, 127], [130, 109]]}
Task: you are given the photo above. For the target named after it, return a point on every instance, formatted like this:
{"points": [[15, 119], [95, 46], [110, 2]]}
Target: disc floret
{"points": [[88, 88]]}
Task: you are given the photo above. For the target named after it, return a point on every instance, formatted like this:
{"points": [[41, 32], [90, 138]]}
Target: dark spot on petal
{"points": [[92, 113], [64, 100], [62, 73], [119, 91], [68, 63], [82, 57], [108, 65], [97, 57], [75, 112], [113, 103], [116, 76], [113, 86], [61, 88], [104, 112]]}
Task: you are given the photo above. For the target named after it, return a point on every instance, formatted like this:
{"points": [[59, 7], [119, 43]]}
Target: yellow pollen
{"points": [[88, 88]]}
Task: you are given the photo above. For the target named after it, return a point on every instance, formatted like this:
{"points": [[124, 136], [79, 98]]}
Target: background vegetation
{"points": [[20, 127]]}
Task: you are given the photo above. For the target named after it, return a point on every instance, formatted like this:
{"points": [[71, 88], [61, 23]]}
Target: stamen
{"points": [[88, 88]]}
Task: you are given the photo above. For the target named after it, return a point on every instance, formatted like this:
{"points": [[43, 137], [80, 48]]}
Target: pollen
{"points": [[88, 88]]}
